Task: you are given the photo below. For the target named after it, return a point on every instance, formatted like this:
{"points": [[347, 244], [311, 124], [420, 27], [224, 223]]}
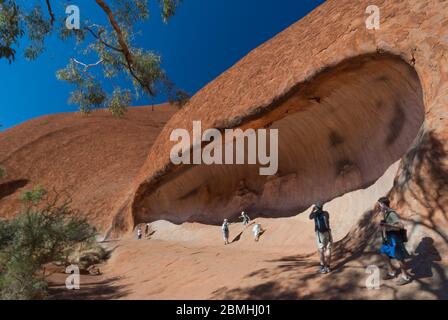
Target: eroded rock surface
{"points": [[348, 101]]}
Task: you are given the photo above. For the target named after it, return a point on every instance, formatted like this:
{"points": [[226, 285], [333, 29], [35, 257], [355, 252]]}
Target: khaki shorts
{"points": [[324, 240]]}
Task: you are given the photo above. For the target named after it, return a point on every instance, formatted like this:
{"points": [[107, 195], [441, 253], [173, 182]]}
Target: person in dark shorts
{"points": [[324, 238], [393, 248]]}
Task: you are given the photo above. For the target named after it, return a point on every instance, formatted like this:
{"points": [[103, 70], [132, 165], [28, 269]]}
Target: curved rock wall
{"points": [[338, 134], [252, 94]]}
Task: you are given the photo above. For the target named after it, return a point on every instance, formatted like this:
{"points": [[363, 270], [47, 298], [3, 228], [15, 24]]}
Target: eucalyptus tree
{"points": [[111, 45]]}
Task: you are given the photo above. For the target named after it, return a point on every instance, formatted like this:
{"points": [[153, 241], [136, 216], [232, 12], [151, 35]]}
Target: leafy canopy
{"points": [[112, 44]]}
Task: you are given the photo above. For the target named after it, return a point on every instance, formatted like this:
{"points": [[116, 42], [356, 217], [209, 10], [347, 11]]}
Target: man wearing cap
{"points": [[323, 236]]}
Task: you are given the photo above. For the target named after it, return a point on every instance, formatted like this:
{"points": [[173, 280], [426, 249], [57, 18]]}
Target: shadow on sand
{"points": [[296, 277], [95, 289]]}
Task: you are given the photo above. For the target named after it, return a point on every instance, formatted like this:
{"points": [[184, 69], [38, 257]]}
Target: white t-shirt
{"points": [[256, 229]]}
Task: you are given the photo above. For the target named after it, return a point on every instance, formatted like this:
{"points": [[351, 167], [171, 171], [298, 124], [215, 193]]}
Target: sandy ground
{"points": [[160, 269], [190, 261]]}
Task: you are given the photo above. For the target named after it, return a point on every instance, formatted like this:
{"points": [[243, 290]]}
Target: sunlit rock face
{"points": [[89, 160], [337, 134], [348, 102]]}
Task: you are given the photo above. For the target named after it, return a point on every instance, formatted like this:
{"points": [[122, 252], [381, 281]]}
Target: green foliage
{"points": [[127, 12], [33, 197], [88, 94], [169, 8], [2, 173], [18, 280], [178, 97], [40, 234], [112, 44], [15, 23], [88, 97], [10, 29], [119, 102], [37, 28], [71, 74], [147, 69], [6, 233]]}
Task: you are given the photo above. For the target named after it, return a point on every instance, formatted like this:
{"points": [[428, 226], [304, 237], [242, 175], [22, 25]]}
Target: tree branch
{"points": [[123, 45], [121, 41], [87, 66], [50, 11], [98, 37]]}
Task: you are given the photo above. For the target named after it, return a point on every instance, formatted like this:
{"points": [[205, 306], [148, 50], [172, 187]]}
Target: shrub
{"points": [[86, 255], [40, 234], [33, 197]]}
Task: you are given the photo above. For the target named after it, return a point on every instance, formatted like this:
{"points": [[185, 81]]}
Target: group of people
{"points": [[393, 235], [392, 230], [256, 229], [140, 232]]}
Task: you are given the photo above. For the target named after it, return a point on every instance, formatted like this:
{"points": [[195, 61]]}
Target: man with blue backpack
{"points": [[323, 236], [394, 238]]}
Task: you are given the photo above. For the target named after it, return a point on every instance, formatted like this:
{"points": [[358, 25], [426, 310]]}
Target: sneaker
{"points": [[327, 270], [322, 269], [403, 281], [390, 276]]}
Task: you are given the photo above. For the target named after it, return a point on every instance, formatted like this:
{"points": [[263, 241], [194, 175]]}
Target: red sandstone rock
{"points": [[348, 101], [93, 159]]}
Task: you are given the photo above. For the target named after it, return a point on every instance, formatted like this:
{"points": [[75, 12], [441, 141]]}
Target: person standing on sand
{"points": [[256, 229], [225, 231], [147, 230], [139, 233], [323, 236], [246, 219], [394, 237]]}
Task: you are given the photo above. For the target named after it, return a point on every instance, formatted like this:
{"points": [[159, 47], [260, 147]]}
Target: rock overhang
{"points": [[338, 133], [333, 33]]}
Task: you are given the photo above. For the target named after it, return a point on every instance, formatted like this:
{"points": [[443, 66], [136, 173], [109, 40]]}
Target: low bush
{"points": [[43, 232]]}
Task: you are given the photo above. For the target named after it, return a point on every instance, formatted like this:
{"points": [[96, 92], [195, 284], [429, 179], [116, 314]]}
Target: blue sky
{"points": [[202, 40]]}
